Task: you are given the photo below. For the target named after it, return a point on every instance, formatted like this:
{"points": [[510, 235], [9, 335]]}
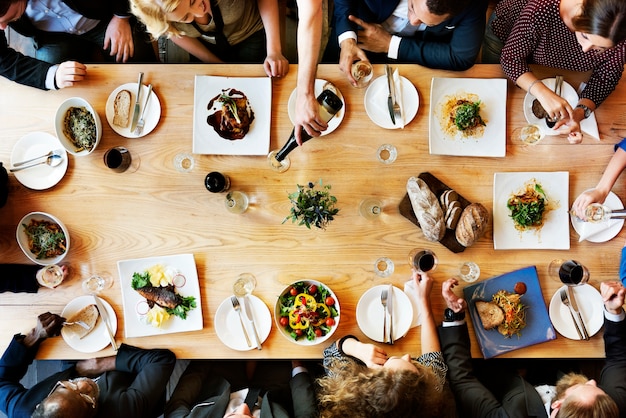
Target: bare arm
{"points": [[195, 48], [276, 65], [429, 336]]}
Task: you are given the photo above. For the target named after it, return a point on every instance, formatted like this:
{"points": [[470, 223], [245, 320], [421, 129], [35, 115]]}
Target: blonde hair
{"points": [[353, 390], [603, 405], [153, 14]]}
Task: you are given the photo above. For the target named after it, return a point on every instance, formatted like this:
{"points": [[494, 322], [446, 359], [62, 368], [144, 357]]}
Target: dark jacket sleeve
{"points": [[451, 45], [371, 11], [303, 396], [20, 68], [13, 366], [612, 377], [137, 385], [18, 278]]}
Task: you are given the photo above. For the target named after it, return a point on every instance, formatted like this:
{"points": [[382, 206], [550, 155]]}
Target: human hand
{"points": [[276, 65], [556, 107], [423, 286], [48, 325], [68, 73], [571, 128], [119, 37], [613, 293], [585, 199], [453, 302], [307, 116], [372, 37], [370, 354], [95, 366], [350, 53]]}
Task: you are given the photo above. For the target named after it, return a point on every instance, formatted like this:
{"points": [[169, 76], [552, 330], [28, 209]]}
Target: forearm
{"points": [[195, 48], [429, 336], [612, 172], [309, 39], [269, 15]]}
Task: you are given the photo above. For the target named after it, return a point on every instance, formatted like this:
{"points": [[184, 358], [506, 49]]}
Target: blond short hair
{"points": [[153, 14]]}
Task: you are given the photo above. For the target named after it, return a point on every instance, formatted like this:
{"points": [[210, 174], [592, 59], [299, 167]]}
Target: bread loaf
{"points": [[427, 209], [121, 108], [89, 315], [490, 314], [472, 224]]}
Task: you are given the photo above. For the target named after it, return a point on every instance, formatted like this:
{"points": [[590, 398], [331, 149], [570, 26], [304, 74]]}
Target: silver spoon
{"points": [[51, 153], [52, 161]]}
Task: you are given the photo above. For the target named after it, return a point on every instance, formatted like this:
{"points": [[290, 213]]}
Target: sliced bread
{"points": [[89, 315], [121, 107]]}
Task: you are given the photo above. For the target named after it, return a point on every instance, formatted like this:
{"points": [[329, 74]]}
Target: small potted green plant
{"points": [[312, 206]]}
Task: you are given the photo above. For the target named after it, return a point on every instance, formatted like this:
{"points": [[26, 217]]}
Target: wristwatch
{"points": [[450, 316], [585, 108]]}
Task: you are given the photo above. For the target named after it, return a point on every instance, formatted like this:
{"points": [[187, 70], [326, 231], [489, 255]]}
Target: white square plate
{"points": [[259, 93], [492, 94], [555, 231], [135, 324]]}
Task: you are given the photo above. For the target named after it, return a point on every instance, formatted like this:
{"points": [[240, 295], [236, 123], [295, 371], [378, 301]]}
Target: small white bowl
{"points": [[60, 120], [22, 238]]}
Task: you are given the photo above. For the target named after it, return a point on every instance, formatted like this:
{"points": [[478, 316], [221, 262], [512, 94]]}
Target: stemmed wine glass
{"points": [[97, 282]]}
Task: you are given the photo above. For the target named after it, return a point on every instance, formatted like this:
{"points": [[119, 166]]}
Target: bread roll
{"points": [[121, 108], [490, 314], [89, 315], [472, 224], [426, 208]]}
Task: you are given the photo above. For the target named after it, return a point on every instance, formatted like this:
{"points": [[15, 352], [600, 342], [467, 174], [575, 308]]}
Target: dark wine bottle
{"points": [[330, 104], [216, 182]]}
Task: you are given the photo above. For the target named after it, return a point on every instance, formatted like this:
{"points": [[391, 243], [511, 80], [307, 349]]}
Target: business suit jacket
{"points": [[520, 399], [134, 389], [452, 45], [198, 395]]}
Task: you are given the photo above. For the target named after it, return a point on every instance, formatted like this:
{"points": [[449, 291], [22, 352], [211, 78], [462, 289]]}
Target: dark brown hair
{"points": [[605, 18], [446, 7]]}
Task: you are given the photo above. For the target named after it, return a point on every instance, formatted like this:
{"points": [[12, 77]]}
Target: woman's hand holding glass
{"points": [[585, 199], [423, 287]]}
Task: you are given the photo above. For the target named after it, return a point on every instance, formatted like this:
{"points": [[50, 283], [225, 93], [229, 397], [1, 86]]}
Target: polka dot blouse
{"points": [[539, 36]]}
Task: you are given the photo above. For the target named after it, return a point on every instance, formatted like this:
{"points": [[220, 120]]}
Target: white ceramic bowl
{"points": [[22, 238], [60, 120], [286, 331]]}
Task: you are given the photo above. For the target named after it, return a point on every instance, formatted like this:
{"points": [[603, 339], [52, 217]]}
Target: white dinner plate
{"points": [[319, 85], [42, 176], [589, 125], [228, 327], [135, 323], [151, 117], [376, 102], [591, 308], [258, 90], [370, 313], [600, 231], [492, 95], [554, 234], [98, 338]]}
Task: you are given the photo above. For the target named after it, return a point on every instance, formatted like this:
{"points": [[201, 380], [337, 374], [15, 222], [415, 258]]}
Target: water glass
{"points": [[529, 134], [370, 208], [50, 276], [244, 285], [184, 162], [422, 260], [469, 271], [363, 72], [97, 282], [569, 272], [387, 153], [383, 267], [236, 202], [278, 166]]}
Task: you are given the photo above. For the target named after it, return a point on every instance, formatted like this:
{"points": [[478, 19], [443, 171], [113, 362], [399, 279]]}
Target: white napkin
{"points": [[409, 289], [589, 127], [397, 81]]}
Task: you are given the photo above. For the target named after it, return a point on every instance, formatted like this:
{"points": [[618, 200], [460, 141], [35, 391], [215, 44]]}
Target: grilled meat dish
{"points": [[234, 118], [165, 297]]}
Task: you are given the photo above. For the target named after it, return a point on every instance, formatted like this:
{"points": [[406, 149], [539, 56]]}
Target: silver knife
{"points": [[390, 98], [137, 104], [390, 310], [248, 307], [105, 318], [572, 299]]}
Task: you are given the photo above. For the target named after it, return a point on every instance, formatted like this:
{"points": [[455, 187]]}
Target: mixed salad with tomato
{"points": [[307, 311]]}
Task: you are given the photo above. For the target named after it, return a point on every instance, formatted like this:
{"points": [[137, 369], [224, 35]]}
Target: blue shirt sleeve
{"points": [[622, 145], [622, 266]]}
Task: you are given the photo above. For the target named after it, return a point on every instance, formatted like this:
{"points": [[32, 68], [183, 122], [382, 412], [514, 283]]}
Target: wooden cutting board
{"points": [[437, 187]]}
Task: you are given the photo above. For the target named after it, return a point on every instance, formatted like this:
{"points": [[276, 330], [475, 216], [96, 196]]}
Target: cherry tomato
{"points": [[293, 291], [298, 332], [312, 289], [284, 321], [330, 322], [318, 332], [329, 301]]}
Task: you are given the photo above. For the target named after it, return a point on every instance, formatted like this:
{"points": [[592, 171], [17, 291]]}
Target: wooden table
{"points": [[158, 211]]}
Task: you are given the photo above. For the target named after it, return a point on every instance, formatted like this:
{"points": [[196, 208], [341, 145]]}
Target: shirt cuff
{"points": [[614, 317], [394, 46], [346, 35], [452, 323], [50, 78], [298, 370]]}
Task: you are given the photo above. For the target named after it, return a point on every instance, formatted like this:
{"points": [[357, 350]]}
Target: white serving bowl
{"points": [[285, 331], [60, 119], [22, 238]]}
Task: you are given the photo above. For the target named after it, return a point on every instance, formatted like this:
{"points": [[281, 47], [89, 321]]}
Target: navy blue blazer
{"points": [[452, 45]]}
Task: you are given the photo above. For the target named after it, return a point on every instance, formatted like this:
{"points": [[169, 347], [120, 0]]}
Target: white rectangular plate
{"points": [[555, 231], [257, 140], [492, 94], [135, 324]]}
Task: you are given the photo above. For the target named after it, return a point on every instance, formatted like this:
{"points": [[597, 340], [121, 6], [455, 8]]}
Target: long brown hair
{"points": [[605, 18]]}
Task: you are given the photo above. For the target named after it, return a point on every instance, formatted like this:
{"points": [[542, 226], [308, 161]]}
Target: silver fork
{"points": [[383, 300], [565, 301], [79, 323], [141, 122], [396, 111], [237, 308]]}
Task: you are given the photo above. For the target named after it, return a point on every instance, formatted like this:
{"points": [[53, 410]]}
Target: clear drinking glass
{"points": [[278, 166], [50, 276], [184, 162], [236, 202], [529, 134], [97, 282], [422, 260], [383, 267], [119, 160], [469, 271], [370, 208], [569, 272], [387, 153], [362, 71], [244, 285]]}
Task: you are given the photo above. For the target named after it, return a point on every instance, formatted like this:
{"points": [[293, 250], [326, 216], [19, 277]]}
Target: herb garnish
{"points": [[231, 105]]}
